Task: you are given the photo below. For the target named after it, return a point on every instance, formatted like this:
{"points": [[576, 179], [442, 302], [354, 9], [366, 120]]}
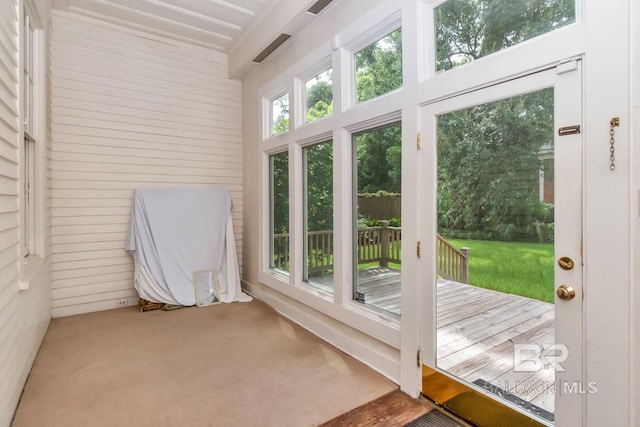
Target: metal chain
{"points": [[612, 150]]}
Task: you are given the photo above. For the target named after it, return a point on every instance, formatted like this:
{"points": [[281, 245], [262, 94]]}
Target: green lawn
{"points": [[517, 268]]}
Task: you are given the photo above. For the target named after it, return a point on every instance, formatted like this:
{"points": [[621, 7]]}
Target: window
{"points": [[279, 202], [310, 148], [319, 96], [29, 149], [280, 114], [379, 67], [377, 156], [318, 205], [466, 30]]}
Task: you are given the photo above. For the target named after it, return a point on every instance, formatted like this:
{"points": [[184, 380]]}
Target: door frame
{"points": [[567, 82]]}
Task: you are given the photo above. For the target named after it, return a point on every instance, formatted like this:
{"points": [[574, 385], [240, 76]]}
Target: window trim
{"points": [[301, 80], [336, 127], [33, 143], [377, 32]]}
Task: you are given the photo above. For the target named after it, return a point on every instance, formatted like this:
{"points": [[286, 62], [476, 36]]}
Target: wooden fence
{"points": [[381, 244]]}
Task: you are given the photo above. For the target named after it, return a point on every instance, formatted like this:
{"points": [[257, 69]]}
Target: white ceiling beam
{"points": [[233, 6], [144, 28], [193, 14], [130, 10], [286, 16]]}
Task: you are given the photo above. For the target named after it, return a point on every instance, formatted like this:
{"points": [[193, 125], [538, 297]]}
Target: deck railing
{"points": [[452, 264], [381, 244]]}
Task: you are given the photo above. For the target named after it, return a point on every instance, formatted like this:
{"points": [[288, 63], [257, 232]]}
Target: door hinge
{"points": [[419, 249], [418, 358], [419, 140], [569, 130]]}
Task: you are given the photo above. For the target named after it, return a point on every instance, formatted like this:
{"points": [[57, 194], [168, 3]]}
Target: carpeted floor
{"points": [[224, 365]]}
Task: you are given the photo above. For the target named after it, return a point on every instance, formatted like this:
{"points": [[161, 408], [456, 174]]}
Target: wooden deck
{"points": [[477, 330]]}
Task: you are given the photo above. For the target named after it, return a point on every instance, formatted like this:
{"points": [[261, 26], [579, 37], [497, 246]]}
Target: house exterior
{"points": [[91, 109]]}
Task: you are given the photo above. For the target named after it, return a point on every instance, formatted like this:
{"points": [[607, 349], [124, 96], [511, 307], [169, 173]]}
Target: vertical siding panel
{"points": [[24, 315], [129, 110]]}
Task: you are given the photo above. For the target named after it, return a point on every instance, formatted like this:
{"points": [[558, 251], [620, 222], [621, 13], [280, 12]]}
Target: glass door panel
{"points": [[506, 197], [495, 248]]}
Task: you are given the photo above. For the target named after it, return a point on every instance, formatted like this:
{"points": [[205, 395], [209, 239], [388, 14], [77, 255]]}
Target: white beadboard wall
{"points": [[129, 110], [24, 314]]}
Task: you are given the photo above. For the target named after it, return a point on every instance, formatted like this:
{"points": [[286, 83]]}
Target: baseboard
{"points": [[371, 352]]}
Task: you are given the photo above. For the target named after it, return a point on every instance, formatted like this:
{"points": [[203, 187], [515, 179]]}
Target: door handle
{"points": [[566, 292]]}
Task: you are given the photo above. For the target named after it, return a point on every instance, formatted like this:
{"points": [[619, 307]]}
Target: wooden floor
{"points": [[395, 409], [477, 331]]}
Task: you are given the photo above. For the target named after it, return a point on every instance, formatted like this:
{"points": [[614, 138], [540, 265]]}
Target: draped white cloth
{"points": [[176, 231]]}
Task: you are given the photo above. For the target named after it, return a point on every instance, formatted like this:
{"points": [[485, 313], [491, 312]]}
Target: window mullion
{"points": [[342, 217], [296, 213]]}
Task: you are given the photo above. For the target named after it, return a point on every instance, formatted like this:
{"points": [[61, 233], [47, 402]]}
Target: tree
{"points": [[470, 29], [280, 192], [378, 154], [281, 121], [379, 67], [319, 186], [378, 71], [488, 166], [488, 155], [319, 99]]}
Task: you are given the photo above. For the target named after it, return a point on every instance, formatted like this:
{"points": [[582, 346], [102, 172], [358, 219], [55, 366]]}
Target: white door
{"points": [[501, 262]]}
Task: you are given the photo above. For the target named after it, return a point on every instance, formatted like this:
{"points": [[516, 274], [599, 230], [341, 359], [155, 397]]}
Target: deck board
{"points": [[477, 330]]}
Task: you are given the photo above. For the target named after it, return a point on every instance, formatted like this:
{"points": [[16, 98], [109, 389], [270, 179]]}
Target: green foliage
{"points": [[488, 167], [279, 168], [319, 186], [281, 122], [379, 67], [280, 192], [379, 156], [395, 222], [319, 100], [470, 29]]}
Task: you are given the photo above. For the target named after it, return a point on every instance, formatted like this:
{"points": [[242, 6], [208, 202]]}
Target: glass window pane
{"points": [[378, 236], [318, 204], [319, 93], [379, 67], [279, 197], [280, 114], [470, 29]]}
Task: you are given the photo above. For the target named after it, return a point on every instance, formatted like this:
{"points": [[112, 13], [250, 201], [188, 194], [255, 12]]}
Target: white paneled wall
{"points": [[24, 314], [129, 110]]}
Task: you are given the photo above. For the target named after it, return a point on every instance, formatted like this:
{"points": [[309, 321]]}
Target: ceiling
{"points": [[215, 24]]}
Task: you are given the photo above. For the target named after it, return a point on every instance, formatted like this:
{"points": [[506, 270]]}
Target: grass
{"points": [[524, 269]]}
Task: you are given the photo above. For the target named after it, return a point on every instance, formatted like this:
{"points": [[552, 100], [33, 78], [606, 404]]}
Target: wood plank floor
{"points": [[395, 409], [477, 331]]}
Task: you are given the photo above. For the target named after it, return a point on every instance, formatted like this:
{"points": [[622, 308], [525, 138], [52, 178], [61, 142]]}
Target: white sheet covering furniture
{"points": [[176, 231]]}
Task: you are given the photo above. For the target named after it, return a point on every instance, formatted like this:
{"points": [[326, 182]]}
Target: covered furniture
{"points": [[175, 232]]}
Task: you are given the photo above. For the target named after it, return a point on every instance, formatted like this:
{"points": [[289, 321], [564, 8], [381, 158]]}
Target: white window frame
{"points": [[377, 32], [338, 127], [300, 84], [33, 139]]}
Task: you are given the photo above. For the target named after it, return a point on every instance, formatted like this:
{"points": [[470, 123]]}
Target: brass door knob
{"points": [[566, 292]]}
